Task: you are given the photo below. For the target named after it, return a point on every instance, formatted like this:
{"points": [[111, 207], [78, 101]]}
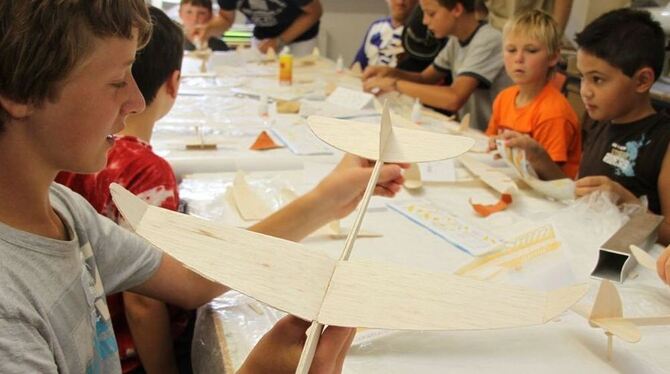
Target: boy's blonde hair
{"points": [[537, 25], [43, 41]]}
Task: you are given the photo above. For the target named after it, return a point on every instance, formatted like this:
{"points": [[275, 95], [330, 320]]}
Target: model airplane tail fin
{"points": [[131, 207], [607, 303]]}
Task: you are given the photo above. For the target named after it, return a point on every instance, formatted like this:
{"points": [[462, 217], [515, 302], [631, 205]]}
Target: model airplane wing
{"points": [[277, 272], [360, 294], [403, 145], [397, 298]]}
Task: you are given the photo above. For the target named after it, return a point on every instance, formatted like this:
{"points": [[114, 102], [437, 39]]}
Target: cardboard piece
{"points": [[615, 259], [264, 142]]}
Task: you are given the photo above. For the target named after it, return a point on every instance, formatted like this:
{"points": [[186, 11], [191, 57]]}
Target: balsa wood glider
{"points": [[312, 286], [607, 314]]}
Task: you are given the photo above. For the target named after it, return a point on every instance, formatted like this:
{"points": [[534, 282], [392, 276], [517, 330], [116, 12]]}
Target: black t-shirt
{"points": [[271, 17], [630, 154]]}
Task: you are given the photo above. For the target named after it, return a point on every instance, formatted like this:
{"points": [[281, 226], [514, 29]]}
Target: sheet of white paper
{"points": [[301, 141], [439, 171], [349, 98], [457, 231]]}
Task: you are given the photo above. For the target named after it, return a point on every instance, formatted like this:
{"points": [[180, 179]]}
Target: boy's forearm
{"points": [[664, 232], [431, 95], [149, 323], [297, 219], [302, 23]]}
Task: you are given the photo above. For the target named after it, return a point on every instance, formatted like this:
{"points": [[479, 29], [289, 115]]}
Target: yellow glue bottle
{"points": [[285, 67]]}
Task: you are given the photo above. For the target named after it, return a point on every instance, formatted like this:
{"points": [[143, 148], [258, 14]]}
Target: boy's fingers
{"points": [[663, 266], [332, 343]]}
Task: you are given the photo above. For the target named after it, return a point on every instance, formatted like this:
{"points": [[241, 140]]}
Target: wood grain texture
{"points": [[277, 272], [397, 298], [404, 145]]}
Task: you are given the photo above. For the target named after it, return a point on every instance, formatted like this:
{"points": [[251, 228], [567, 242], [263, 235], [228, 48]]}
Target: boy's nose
{"points": [[135, 102]]}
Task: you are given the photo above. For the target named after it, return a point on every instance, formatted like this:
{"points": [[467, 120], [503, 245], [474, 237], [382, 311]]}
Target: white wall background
{"points": [[344, 23]]}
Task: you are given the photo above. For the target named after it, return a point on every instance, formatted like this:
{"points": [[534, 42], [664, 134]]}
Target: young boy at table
{"points": [[59, 256], [151, 336], [473, 55], [533, 106], [626, 152], [194, 13]]}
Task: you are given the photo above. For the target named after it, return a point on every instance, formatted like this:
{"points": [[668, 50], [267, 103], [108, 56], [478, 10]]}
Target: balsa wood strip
{"points": [[405, 145], [397, 298], [493, 178], [277, 272], [643, 258]]}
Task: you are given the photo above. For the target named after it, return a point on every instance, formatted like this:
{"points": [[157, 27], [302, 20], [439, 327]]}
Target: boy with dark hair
{"points": [[626, 151], [382, 43], [194, 13], [59, 256], [473, 55], [145, 328]]}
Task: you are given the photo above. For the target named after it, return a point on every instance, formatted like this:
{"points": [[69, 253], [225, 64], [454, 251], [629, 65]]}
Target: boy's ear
{"points": [[457, 10], [644, 78], [172, 84], [553, 61], [15, 109]]}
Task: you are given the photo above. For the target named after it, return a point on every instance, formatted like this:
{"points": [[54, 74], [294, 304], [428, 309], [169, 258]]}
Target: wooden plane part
{"points": [[493, 178], [274, 271], [405, 145], [337, 292], [405, 299], [413, 177], [643, 258], [250, 206], [621, 327]]}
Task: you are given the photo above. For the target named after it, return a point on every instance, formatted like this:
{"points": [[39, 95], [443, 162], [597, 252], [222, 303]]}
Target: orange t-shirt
{"points": [[549, 119]]}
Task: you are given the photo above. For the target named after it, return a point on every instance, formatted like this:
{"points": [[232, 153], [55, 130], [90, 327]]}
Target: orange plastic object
{"points": [[264, 142], [486, 210]]}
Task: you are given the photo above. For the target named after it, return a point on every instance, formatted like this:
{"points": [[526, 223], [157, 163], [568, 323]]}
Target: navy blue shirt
{"points": [[271, 17]]}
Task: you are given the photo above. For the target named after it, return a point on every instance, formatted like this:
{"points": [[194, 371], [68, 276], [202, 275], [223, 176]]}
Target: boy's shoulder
{"points": [[552, 104], [486, 34]]}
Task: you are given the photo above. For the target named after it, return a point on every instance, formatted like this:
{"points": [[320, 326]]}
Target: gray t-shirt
{"points": [[53, 313], [481, 58]]}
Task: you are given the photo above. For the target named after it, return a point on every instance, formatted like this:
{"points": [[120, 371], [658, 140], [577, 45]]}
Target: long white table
{"points": [[230, 325]]}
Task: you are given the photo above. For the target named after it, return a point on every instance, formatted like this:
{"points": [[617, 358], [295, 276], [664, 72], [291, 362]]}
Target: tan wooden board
{"points": [[399, 298]]}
